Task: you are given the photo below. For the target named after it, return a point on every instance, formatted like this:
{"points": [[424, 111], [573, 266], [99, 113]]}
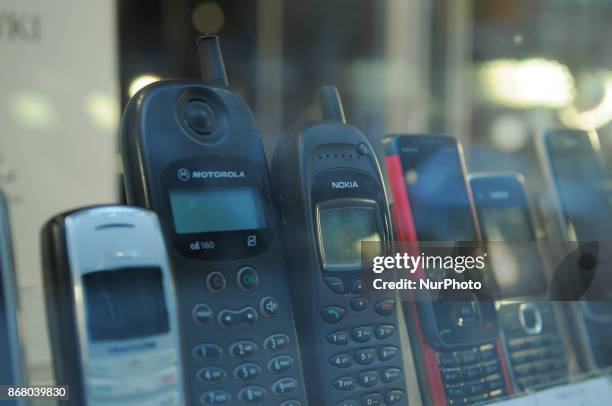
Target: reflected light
{"points": [[140, 82], [103, 109], [527, 83], [208, 17], [595, 117], [32, 110], [509, 133]]}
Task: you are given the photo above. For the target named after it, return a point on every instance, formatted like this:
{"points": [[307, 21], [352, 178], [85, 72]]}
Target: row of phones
{"points": [[240, 287]]}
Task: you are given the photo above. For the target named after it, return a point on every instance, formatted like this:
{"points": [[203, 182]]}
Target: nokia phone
{"points": [[328, 182], [460, 355], [193, 154], [111, 307], [582, 202], [11, 354], [530, 326]]}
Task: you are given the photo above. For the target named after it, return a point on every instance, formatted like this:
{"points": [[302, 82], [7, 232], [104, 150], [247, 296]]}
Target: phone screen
{"points": [[581, 186], [438, 196], [125, 303], [342, 230], [515, 260]]}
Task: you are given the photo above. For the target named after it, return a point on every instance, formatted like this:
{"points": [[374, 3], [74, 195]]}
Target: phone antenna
{"points": [[331, 104], [211, 59]]}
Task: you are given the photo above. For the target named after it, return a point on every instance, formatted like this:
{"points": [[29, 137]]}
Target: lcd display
{"points": [[125, 303], [438, 195], [197, 211], [581, 186], [342, 230], [517, 266]]}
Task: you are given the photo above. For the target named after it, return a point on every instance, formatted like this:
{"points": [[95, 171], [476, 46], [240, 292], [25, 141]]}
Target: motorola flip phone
{"points": [[581, 200], [530, 328], [11, 354], [460, 356], [111, 307], [329, 185], [193, 154]]}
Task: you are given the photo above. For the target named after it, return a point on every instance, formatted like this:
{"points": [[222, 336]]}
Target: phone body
{"points": [[580, 199], [111, 307], [193, 154], [11, 350], [531, 331], [329, 185], [460, 363]]}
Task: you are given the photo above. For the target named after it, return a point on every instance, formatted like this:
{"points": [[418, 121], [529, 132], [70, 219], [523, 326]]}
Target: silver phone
{"points": [[11, 353], [112, 307]]}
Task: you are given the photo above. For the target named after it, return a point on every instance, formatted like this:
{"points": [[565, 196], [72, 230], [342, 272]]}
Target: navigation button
{"points": [[359, 303], [333, 314], [215, 282], [334, 284], [230, 318], [202, 313], [247, 279], [358, 286]]}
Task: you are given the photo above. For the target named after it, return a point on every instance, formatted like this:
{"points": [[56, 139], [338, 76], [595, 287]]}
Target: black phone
{"points": [[460, 357], [193, 154], [111, 307], [329, 185], [582, 202], [11, 350], [530, 325]]}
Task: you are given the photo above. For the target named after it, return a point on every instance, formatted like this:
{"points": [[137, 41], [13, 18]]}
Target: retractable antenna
{"points": [[331, 104], [211, 59]]}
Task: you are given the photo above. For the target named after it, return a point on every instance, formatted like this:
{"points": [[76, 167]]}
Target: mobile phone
{"points": [[193, 154], [461, 362], [11, 353], [531, 331], [111, 307], [581, 199], [329, 185]]}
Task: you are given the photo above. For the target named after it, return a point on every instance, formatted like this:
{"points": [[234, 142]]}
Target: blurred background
{"points": [[491, 72]]}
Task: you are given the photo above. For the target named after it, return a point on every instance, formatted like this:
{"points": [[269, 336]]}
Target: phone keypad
{"points": [[537, 360], [365, 367], [263, 369], [472, 376]]}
